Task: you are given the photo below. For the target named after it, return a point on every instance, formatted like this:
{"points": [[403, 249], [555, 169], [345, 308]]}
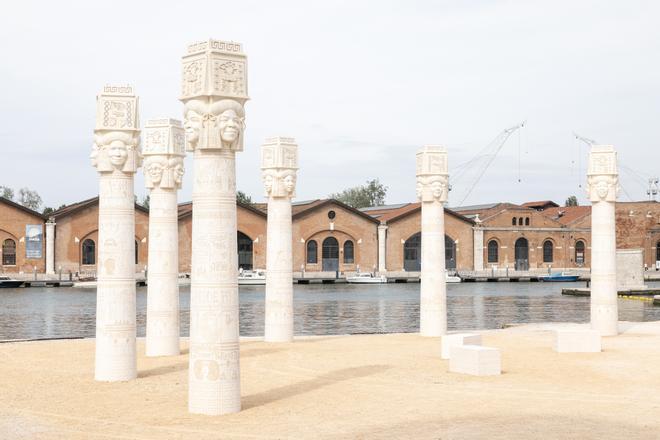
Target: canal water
{"points": [[329, 309]]}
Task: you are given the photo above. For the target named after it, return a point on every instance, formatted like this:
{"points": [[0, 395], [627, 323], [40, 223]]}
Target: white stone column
{"points": [[214, 91], [602, 186], [279, 162], [382, 249], [478, 249], [50, 246], [163, 151], [432, 184], [116, 156]]}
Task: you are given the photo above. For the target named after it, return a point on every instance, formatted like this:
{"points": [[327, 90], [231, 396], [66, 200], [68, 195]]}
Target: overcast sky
{"points": [[360, 85]]}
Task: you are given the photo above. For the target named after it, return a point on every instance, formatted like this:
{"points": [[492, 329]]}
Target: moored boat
{"points": [[6, 282], [366, 278], [559, 276], [252, 277], [452, 278]]}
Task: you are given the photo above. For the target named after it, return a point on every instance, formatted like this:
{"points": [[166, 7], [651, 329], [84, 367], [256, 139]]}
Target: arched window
{"points": [[526, 221], [88, 252], [579, 253], [513, 221], [9, 252], [547, 251], [493, 251], [136, 252], [412, 253], [657, 251], [349, 252], [244, 247], [312, 252], [520, 220], [450, 253]]}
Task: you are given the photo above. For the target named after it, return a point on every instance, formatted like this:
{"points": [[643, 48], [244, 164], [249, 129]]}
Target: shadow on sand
{"points": [[295, 389]]}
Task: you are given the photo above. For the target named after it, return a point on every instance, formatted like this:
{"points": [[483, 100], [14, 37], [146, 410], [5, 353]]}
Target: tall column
{"points": [[432, 184], [163, 151], [602, 186], [214, 91], [382, 248], [478, 244], [279, 162], [116, 156], [50, 246]]}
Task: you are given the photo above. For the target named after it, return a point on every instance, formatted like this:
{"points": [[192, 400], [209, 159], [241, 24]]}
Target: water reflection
{"points": [[322, 309]]}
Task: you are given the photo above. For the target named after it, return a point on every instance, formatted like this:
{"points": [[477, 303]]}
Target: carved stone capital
{"points": [[214, 125], [279, 165], [116, 133], [602, 175], [432, 176]]}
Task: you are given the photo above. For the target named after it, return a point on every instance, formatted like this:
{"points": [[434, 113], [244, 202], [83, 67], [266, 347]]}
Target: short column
{"points": [[382, 249], [602, 184], [279, 163], [163, 151], [116, 156], [432, 184], [50, 246]]}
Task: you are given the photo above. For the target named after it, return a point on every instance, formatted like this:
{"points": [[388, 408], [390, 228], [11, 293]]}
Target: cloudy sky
{"points": [[361, 85]]}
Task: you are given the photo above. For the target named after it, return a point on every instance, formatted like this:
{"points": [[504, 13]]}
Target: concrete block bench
{"points": [[452, 340], [577, 341], [475, 360]]}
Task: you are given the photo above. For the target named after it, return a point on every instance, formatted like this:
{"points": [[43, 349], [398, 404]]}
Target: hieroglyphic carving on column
{"points": [[602, 175], [164, 151], [116, 156], [432, 175], [279, 164], [214, 91], [432, 188]]}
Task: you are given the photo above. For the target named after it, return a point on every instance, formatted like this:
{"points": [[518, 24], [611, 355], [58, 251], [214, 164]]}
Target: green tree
{"points": [[243, 198], [362, 196], [48, 210], [571, 201], [30, 199], [6, 192]]}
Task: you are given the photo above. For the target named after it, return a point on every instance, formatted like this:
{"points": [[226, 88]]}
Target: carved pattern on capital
{"points": [[116, 151], [279, 164], [214, 126], [432, 188], [602, 175], [163, 171]]}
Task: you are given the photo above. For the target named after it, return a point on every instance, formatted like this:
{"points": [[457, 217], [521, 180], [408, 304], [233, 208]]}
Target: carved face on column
{"points": [[602, 188], [154, 168], [192, 122], [268, 183], [289, 181], [230, 123], [117, 153], [178, 170], [432, 188]]}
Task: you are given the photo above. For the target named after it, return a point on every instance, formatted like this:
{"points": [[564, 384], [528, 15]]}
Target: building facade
{"points": [[329, 236]]}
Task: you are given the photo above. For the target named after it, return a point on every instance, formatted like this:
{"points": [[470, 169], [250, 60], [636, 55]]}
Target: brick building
{"points": [[329, 235]]}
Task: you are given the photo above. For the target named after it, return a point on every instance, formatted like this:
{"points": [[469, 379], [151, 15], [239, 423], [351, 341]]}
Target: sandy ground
{"points": [[353, 387]]}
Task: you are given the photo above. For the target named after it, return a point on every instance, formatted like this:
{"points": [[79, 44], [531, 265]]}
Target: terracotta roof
{"points": [[22, 208], [299, 210], [540, 204], [390, 215], [75, 207], [567, 214], [185, 209]]}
